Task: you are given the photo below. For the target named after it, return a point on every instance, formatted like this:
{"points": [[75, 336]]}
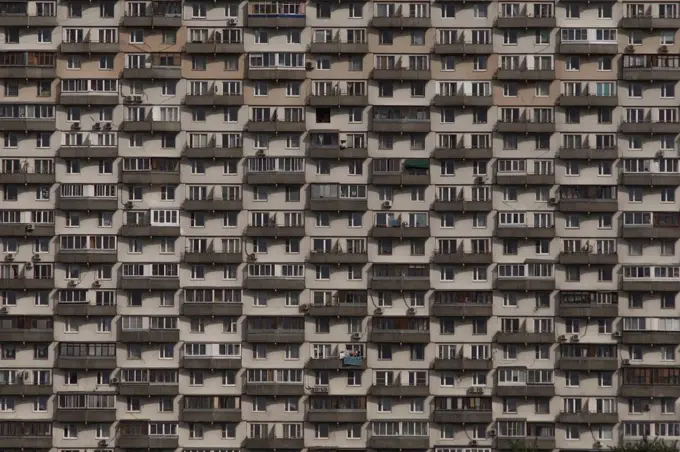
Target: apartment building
{"points": [[338, 226]]}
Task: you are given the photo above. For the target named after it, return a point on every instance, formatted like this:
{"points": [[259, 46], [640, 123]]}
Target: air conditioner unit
{"points": [[29, 265], [663, 49], [137, 98], [96, 126], [356, 336], [97, 284], [552, 201], [102, 443], [9, 257], [629, 48], [30, 228], [479, 180], [574, 338], [377, 311], [36, 257], [72, 283], [387, 205], [492, 432], [129, 98], [4, 310], [473, 442], [411, 311], [259, 152], [309, 65], [659, 154], [304, 308], [563, 338], [108, 126], [129, 204], [625, 362], [252, 257], [616, 334], [75, 126], [231, 22]]}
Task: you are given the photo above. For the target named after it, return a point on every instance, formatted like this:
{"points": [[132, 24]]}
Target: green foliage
{"points": [[646, 445]]}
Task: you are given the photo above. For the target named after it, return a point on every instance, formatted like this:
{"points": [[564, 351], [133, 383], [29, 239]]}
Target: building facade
{"points": [[329, 225]]}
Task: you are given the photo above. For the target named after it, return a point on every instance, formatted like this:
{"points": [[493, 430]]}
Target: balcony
{"points": [[148, 283], [463, 48], [588, 364], [212, 152], [649, 337], [275, 178], [35, 442], [524, 337], [588, 48], [587, 100], [399, 442], [273, 230], [588, 153], [151, 126], [89, 47], [213, 100], [212, 363], [195, 309], [649, 285], [339, 100], [401, 73], [650, 127], [88, 98], [336, 416], [530, 284], [587, 310], [524, 232], [400, 230], [26, 177], [337, 257], [399, 390], [588, 205], [28, 72], [399, 283], [26, 335], [338, 204], [651, 179], [588, 417], [274, 390], [401, 336], [69, 203], [526, 74], [462, 206], [462, 100], [274, 283], [399, 21], [414, 172], [150, 177], [153, 73], [85, 310], [651, 73], [142, 441], [276, 21], [148, 230], [461, 257], [160, 21], [533, 443], [213, 204], [400, 125], [530, 390], [276, 73], [209, 415], [274, 335], [463, 364], [338, 310], [25, 390], [148, 335], [148, 389], [85, 415], [338, 47], [89, 256], [650, 232], [463, 153], [336, 363], [649, 391], [649, 22], [526, 21], [25, 20], [462, 310], [587, 258], [26, 230], [87, 151], [214, 47], [210, 256], [28, 125], [467, 416], [276, 126], [525, 126], [26, 283], [86, 362]]}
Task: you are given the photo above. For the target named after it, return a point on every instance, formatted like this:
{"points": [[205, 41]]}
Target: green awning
{"points": [[417, 164]]}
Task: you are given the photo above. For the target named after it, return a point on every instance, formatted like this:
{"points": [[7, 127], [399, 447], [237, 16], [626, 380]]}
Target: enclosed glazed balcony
{"points": [[157, 67], [650, 225], [210, 409], [328, 145], [399, 277], [655, 67], [589, 357], [28, 65], [474, 409], [399, 172], [523, 71], [588, 198], [400, 330], [135, 435], [400, 120]]}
